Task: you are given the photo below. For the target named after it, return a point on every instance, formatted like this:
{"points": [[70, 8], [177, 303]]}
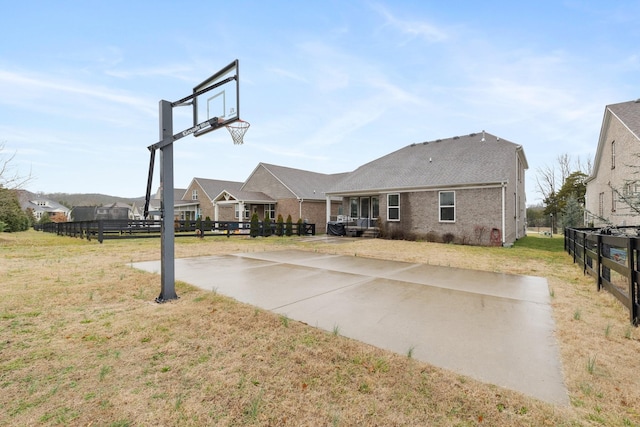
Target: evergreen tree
{"points": [[573, 215], [300, 226], [254, 230], [280, 226], [267, 226], [289, 227], [44, 218], [13, 217]]}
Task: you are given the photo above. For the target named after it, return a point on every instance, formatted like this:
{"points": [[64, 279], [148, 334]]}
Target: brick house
{"points": [[296, 192], [269, 190], [614, 184], [469, 188]]}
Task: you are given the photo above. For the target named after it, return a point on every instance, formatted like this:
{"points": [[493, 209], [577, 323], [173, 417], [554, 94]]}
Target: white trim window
{"points": [[353, 207], [194, 194], [246, 213], [393, 207], [447, 206], [270, 211]]}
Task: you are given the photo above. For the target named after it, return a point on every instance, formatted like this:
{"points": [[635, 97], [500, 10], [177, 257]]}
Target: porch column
{"points": [[240, 211], [215, 211]]}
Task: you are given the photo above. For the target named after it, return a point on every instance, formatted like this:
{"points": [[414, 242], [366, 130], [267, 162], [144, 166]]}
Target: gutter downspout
{"points": [[328, 213], [504, 213]]}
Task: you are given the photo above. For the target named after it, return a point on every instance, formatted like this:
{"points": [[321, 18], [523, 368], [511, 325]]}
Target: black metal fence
{"points": [[612, 259], [128, 229]]}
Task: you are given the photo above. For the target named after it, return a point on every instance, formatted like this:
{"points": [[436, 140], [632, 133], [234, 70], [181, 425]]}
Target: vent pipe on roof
{"points": [[482, 140]]}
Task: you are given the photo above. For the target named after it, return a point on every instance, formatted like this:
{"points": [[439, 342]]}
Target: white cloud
{"points": [[412, 28]]}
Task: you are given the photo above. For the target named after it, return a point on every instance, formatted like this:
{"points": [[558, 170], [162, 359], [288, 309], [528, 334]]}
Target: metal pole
{"points": [[167, 248]]}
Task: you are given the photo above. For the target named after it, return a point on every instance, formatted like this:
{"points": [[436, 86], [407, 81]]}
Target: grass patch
{"points": [[82, 340]]}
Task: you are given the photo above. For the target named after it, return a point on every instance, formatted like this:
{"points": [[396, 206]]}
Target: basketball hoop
{"points": [[237, 130]]}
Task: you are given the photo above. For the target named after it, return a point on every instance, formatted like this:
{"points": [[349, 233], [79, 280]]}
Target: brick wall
{"points": [[625, 170]]}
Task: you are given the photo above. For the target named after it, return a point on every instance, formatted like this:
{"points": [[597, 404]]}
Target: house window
{"points": [[246, 213], [447, 206], [270, 211], [601, 205], [353, 207], [393, 207], [194, 194], [375, 207], [613, 154], [613, 201]]}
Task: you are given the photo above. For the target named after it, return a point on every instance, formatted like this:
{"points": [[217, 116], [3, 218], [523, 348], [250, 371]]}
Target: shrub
{"points": [[254, 229], [411, 236], [448, 237], [289, 227], [479, 232], [300, 226], [280, 226], [266, 226], [382, 228], [431, 237], [208, 225], [396, 234]]}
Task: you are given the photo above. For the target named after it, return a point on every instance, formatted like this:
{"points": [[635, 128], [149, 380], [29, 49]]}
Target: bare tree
{"points": [[551, 178], [9, 177], [564, 164], [545, 181]]}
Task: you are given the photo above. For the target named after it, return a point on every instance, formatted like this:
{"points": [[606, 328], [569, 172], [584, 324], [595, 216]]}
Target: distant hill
{"points": [[90, 199]]}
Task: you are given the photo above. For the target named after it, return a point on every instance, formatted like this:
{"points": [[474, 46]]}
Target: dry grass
{"points": [[83, 343]]}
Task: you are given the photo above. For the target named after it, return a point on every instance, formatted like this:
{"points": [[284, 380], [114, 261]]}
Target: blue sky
{"points": [[326, 85]]}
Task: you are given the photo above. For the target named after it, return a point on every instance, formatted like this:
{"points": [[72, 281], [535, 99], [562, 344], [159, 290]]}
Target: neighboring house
{"points": [[269, 191], [197, 201], [182, 208], [39, 206], [93, 213], [616, 166], [471, 188], [294, 192]]}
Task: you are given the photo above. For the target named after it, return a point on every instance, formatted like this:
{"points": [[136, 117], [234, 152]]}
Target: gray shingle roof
{"points": [[304, 184], [440, 163], [629, 113]]}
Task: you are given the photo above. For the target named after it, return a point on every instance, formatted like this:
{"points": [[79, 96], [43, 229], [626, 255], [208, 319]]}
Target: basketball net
{"points": [[237, 130]]}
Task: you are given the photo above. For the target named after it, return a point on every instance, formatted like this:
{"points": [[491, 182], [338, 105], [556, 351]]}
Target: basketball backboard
{"points": [[218, 96]]}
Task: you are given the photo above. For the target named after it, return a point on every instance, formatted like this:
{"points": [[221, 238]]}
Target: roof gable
{"points": [[213, 187], [243, 196], [628, 113], [302, 184]]}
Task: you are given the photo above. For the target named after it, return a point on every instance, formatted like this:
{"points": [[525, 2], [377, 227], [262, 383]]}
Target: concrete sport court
{"points": [[497, 328]]}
